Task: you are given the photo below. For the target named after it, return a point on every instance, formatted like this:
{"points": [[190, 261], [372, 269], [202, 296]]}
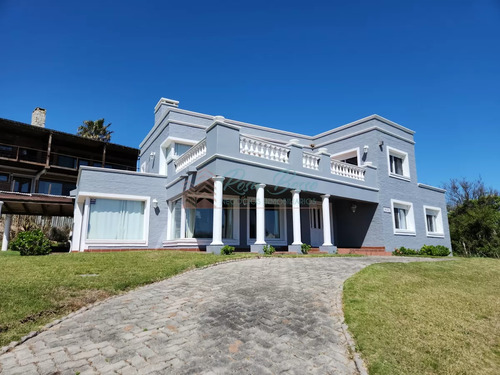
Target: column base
{"points": [[295, 248], [214, 249], [257, 248], [329, 249]]}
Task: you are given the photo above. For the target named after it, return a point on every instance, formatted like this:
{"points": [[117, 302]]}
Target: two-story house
{"points": [[206, 181]]}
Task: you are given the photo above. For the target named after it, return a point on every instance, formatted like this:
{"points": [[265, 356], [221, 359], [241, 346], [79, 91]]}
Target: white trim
{"points": [[410, 218], [391, 151], [439, 222], [84, 244], [347, 152], [429, 187], [283, 240]]}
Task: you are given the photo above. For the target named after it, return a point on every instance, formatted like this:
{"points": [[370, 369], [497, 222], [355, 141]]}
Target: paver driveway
{"points": [[259, 316]]}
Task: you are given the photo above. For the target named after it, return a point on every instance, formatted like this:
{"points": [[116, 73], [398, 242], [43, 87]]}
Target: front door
{"points": [[316, 225]]}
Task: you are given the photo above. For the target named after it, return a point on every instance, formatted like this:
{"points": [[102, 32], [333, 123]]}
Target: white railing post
{"points": [[263, 149], [347, 170]]}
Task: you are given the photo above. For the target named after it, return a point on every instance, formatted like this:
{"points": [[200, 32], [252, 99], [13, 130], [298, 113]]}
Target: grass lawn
{"points": [[427, 318], [37, 290]]}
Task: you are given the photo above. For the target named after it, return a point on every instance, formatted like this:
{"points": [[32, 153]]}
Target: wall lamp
{"points": [[152, 155], [354, 206], [365, 149], [155, 203]]}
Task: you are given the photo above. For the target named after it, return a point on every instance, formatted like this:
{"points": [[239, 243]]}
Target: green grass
{"points": [[427, 318], [37, 290]]}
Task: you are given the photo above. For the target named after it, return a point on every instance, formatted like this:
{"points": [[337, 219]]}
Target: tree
{"points": [[474, 217], [459, 191], [95, 130]]}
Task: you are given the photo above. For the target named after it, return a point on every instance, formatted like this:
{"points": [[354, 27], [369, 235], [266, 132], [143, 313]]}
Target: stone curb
{"points": [[13, 344]]}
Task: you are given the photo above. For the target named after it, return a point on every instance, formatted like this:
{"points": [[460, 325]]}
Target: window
{"points": [[349, 156], [114, 219], [176, 219], [22, 184], [199, 219], [398, 163], [274, 217], [433, 221], [66, 161], [403, 218], [4, 177], [55, 188], [8, 152], [181, 148]]}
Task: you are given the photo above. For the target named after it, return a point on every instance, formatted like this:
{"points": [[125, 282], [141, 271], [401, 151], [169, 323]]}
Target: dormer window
{"points": [[398, 163]]}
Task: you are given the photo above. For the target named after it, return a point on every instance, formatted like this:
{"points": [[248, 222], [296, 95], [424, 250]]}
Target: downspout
{"points": [[37, 177]]}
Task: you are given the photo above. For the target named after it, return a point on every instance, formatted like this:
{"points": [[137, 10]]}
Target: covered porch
{"points": [[251, 215]]}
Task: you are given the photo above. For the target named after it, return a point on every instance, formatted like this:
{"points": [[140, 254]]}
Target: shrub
{"points": [[438, 251], [305, 248], [31, 242], [227, 250], [402, 251], [268, 249], [58, 234]]}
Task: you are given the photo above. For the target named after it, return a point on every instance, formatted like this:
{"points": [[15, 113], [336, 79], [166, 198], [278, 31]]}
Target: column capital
{"points": [[325, 196], [218, 178], [293, 191], [261, 185]]}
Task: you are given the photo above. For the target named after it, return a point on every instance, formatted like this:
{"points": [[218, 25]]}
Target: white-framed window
{"points": [[433, 221], [117, 220], [403, 218], [398, 163], [275, 221], [191, 218], [349, 156], [171, 149]]}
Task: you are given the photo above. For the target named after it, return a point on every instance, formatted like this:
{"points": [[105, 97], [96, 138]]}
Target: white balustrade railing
{"points": [[263, 149], [190, 156], [310, 161], [347, 170]]}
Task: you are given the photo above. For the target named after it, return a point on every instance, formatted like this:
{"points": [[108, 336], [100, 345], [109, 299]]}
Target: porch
{"points": [[250, 215]]}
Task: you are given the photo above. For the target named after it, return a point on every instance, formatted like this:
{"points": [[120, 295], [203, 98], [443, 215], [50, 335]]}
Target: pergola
{"points": [[31, 204]]}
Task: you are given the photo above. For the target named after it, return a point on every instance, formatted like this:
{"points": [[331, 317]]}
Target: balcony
{"points": [[43, 158]]}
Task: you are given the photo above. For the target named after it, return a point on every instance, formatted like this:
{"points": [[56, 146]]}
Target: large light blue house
{"points": [[206, 181]]}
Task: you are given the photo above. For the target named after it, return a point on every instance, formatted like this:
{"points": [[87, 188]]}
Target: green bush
{"points": [[402, 251], [58, 234], [305, 248], [268, 249], [426, 250], [437, 251], [31, 242], [227, 250]]}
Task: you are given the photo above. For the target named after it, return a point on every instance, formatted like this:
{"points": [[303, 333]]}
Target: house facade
{"points": [[206, 181]]}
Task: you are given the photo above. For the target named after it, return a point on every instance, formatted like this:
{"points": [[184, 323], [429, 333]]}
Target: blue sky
{"points": [[432, 66]]}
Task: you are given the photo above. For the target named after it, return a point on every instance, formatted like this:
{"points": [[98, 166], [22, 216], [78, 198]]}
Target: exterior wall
{"points": [[94, 182]]}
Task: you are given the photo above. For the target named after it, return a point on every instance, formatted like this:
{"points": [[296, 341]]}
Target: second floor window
{"points": [[181, 148], [398, 163]]}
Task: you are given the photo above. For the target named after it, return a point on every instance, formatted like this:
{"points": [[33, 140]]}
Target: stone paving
{"points": [[259, 316]]}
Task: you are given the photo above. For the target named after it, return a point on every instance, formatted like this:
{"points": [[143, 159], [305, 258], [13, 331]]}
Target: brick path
{"points": [[260, 316]]}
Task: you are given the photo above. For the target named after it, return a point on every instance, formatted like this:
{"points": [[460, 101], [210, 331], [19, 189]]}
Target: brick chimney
{"points": [[38, 117]]}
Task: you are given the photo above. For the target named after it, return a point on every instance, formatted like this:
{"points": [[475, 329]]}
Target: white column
{"points": [[85, 224], [327, 237], [6, 232], [297, 239], [260, 211], [217, 224], [77, 225], [183, 218]]}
